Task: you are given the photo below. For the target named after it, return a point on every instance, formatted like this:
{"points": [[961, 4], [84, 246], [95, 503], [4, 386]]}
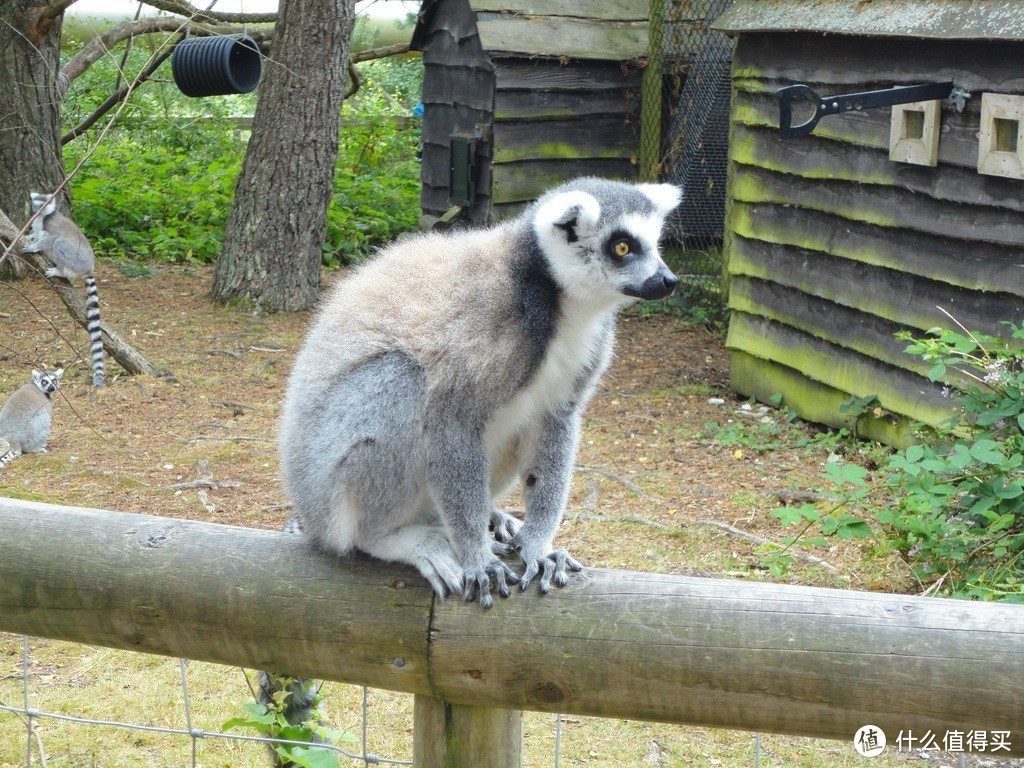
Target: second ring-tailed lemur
{"points": [[26, 416], [450, 366], [59, 239]]}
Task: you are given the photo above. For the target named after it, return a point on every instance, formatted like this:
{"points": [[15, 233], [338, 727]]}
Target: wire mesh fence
{"points": [[686, 138], [65, 704]]}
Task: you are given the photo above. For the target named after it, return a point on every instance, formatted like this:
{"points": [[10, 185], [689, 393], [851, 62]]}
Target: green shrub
{"points": [[953, 503], [959, 497]]}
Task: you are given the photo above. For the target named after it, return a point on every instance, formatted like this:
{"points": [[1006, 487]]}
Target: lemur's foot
{"points": [[477, 581], [504, 526], [552, 567]]}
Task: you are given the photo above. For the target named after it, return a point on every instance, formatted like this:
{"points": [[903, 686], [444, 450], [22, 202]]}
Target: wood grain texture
{"points": [[604, 136], [527, 180], [547, 75], [884, 206], [453, 736], [563, 36], [621, 10], [978, 266], [914, 303], [712, 652]]}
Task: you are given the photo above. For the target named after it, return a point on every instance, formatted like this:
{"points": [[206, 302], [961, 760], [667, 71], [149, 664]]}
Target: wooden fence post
{"points": [[651, 95], [460, 736]]}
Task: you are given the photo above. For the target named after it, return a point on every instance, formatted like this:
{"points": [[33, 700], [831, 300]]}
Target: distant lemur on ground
{"points": [[26, 416]]}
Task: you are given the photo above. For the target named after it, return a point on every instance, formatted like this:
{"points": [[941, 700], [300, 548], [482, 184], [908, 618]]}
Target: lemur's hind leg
{"points": [[426, 548]]}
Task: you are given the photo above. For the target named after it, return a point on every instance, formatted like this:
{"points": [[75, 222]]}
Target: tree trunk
{"points": [[30, 156], [274, 240]]}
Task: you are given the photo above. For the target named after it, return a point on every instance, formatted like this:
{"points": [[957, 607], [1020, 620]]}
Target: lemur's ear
{"points": [[664, 196], [568, 215]]}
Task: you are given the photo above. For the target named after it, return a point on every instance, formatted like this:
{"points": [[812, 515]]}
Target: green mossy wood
{"points": [[710, 652], [832, 248]]}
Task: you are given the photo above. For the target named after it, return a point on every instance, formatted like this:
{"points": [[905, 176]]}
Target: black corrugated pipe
{"points": [[216, 65]]}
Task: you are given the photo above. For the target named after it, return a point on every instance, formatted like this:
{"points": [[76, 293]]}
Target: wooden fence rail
{"points": [[730, 654]]}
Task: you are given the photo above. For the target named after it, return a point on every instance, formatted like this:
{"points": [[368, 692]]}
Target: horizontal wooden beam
{"points": [[711, 652], [562, 36]]}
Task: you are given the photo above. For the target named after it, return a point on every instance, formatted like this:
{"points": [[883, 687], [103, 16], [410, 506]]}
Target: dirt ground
{"points": [[654, 489]]}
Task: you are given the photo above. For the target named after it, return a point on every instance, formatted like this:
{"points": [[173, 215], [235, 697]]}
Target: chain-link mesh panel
{"points": [[690, 143]]}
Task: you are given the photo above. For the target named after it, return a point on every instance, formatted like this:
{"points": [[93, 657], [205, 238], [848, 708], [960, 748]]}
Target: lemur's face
{"points": [[47, 382], [601, 239]]}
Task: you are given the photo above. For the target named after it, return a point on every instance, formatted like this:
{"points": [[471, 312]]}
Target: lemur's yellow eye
{"points": [[621, 248]]}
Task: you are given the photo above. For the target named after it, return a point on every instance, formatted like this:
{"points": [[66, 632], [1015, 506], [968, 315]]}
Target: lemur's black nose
{"points": [[658, 286]]}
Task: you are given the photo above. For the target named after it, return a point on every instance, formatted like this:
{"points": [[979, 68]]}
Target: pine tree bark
{"points": [[30, 157], [273, 244]]}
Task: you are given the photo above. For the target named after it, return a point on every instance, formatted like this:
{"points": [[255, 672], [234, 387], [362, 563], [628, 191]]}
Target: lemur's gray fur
{"points": [[59, 239], [26, 416], [451, 366]]}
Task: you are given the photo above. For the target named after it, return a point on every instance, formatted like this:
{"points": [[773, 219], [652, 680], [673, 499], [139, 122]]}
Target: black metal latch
{"points": [[849, 102]]}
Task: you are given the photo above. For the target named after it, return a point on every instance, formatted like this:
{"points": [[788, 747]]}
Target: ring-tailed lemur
{"points": [[59, 239], [449, 366], [26, 416]]}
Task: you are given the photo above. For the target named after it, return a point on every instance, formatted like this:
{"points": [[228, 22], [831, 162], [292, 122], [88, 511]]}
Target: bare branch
{"points": [[100, 45], [379, 53], [197, 14], [51, 10]]}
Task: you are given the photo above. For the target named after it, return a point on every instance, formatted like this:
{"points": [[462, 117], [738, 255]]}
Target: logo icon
{"points": [[869, 741]]}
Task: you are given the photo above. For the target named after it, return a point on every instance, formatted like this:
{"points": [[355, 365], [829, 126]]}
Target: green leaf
{"points": [[313, 757], [914, 453], [796, 515], [842, 472], [987, 451]]}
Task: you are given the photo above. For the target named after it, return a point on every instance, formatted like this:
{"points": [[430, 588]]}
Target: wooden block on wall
{"points": [[1001, 139], [914, 133]]}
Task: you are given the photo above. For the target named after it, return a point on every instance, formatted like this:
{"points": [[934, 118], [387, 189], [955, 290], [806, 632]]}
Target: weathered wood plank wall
{"points": [[554, 85], [556, 119], [567, 93], [458, 95], [833, 248]]}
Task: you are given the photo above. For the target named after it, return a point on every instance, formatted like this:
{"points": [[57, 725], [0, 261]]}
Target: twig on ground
{"points": [[753, 537]]}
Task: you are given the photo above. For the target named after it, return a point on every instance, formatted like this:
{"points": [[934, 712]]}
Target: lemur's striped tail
{"points": [[92, 318]]}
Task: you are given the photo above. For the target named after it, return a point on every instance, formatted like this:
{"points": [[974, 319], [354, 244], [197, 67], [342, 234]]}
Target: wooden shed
{"points": [[520, 95], [837, 240]]}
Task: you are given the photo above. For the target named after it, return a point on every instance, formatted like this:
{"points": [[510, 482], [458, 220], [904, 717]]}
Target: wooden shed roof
{"points": [[935, 19]]}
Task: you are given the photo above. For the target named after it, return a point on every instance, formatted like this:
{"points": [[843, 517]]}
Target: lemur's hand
{"points": [[504, 527]]}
